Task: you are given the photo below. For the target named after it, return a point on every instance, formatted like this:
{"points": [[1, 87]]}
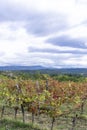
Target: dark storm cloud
{"points": [[67, 42]]}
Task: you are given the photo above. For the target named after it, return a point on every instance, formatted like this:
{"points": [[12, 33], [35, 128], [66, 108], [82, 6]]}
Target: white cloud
{"points": [[26, 25], [77, 62]]}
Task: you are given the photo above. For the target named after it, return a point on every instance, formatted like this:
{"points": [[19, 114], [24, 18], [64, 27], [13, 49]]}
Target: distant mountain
{"points": [[3, 68], [82, 71]]}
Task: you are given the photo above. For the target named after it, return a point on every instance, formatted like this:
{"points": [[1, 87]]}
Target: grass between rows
{"points": [[7, 124], [44, 122]]}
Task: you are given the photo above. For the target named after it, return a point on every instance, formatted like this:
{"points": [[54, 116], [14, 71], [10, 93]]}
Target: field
{"points": [[43, 103]]}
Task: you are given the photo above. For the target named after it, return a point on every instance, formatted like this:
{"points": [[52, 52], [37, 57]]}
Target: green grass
{"points": [[7, 124], [43, 122]]}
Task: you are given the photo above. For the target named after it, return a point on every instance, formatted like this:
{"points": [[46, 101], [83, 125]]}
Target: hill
{"points": [[82, 71]]}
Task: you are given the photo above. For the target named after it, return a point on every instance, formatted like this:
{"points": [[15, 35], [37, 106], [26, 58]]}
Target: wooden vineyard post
{"points": [[32, 117], [23, 113], [74, 122], [2, 112], [46, 84], [16, 110], [53, 120]]}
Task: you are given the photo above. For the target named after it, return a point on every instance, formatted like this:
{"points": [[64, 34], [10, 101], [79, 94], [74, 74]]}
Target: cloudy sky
{"points": [[50, 33]]}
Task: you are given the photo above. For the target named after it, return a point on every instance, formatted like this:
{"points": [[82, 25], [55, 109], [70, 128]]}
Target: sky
{"points": [[49, 33]]}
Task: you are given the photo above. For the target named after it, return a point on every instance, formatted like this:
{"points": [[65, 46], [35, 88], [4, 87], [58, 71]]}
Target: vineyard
{"points": [[45, 102]]}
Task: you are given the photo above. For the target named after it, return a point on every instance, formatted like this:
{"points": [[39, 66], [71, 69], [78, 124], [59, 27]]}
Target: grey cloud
{"points": [[36, 22], [11, 13], [41, 58], [2, 53], [84, 22], [67, 42], [48, 50], [44, 24]]}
